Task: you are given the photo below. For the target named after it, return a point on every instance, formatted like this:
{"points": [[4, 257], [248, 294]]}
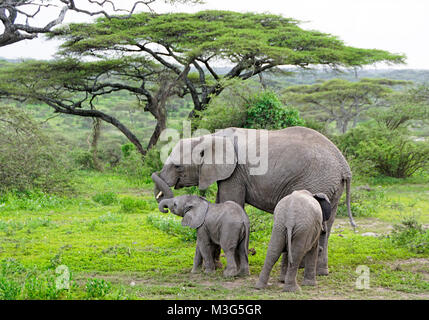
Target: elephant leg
{"points": [[275, 248], [216, 256], [231, 269], [204, 246], [292, 269], [242, 258], [229, 190], [322, 261], [310, 266], [283, 268], [198, 260]]}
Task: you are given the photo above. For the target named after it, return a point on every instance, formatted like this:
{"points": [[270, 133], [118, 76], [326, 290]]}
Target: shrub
{"points": [[127, 149], [394, 155], [9, 289], [97, 288], [261, 110], [83, 159], [375, 150], [106, 198], [28, 158], [39, 287], [410, 234], [265, 111], [131, 166]]}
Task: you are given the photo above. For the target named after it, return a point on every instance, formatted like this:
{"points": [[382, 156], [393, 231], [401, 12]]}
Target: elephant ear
{"points": [[217, 160], [325, 204], [196, 216]]}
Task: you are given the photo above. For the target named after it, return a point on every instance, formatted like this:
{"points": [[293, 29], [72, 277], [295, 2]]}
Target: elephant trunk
{"points": [[164, 204], [161, 190]]}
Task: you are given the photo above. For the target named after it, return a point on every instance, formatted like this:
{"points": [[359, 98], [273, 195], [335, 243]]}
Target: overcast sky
{"points": [[398, 26]]}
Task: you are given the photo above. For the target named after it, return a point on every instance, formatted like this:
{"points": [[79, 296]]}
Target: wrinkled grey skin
{"points": [[225, 224], [299, 159], [297, 225]]}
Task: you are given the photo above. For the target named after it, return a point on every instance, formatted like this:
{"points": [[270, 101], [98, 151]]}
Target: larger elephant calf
{"points": [[297, 225]]}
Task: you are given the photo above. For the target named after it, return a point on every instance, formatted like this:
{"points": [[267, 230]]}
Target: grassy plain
{"points": [[115, 244]]}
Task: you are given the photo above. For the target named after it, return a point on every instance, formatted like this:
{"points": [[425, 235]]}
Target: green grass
{"points": [[126, 249]]}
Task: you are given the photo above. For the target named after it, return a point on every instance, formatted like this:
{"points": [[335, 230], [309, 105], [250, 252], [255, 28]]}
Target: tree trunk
{"points": [[161, 122], [95, 135], [103, 116]]}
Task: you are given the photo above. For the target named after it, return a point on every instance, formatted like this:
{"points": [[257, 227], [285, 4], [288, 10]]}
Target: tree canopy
{"points": [[249, 43], [153, 56]]}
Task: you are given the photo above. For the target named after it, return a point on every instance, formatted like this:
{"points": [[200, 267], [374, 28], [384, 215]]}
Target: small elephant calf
{"points": [[225, 224], [298, 220]]}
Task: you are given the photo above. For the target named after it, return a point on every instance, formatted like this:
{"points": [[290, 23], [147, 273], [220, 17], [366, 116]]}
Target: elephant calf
{"points": [[225, 224], [298, 220]]}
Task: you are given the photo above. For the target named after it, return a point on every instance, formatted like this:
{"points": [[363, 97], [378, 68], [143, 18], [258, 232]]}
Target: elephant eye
{"points": [[202, 153]]}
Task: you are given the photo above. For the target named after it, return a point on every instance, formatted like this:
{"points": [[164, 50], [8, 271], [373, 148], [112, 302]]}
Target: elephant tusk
{"points": [[159, 195]]}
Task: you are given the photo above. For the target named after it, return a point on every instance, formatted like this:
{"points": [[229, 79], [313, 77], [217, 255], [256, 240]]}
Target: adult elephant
{"points": [[297, 158]]}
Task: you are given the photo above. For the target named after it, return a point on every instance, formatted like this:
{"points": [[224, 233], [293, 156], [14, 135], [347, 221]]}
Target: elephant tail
{"points": [[245, 240], [289, 244], [349, 211]]}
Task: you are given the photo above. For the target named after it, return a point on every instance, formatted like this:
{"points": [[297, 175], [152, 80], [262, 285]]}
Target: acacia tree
{"points": [[341, 100], [249, 43], [135, 53], [17, 16], [71, 86], [403, 107]]}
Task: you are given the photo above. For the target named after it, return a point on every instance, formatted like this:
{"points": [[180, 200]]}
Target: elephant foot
{"points": [[230, 273], [291, 288], [195, 270], [244, 272], [209, 270], [260, 285], [322, 271], [309, 282]]}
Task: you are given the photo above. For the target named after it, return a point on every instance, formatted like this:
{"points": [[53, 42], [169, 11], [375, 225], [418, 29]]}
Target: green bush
{"points": [[106, 198], [83, 159], [28, 157], [97, 288], [374, 150], [265, 111], [127, 149], [261, 110], [131, 166], [410, 234], [9, 289], [39, 287]]}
